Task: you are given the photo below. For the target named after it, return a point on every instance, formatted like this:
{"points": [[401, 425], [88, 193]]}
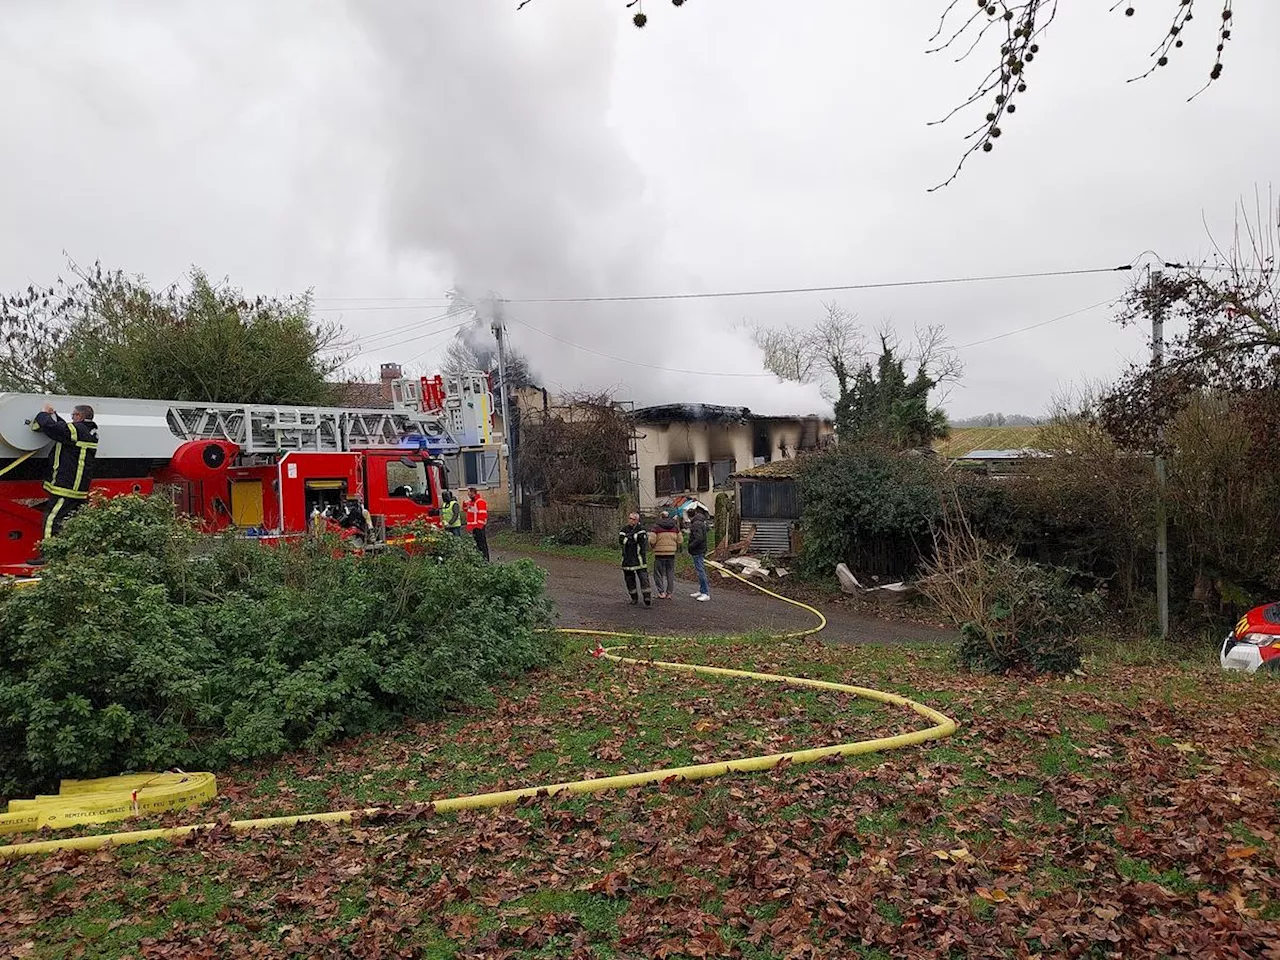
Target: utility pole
{"points": [[500, 334], [1162, 520]]}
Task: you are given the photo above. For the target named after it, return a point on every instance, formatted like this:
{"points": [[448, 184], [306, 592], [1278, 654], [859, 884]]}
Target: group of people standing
{"points": [[663, 542], [471, 515]]}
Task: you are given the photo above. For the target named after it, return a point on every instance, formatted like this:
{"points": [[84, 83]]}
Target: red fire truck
{"points": [[266, 470]]}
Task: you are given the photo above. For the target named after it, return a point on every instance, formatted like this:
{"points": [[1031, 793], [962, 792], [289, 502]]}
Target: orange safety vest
{"points": [[477, 513]]}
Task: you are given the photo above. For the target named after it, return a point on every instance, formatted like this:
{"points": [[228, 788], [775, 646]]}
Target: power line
{"points": [[377, 308], [418, 356], [421, 336], [709, 373], [412, 303], [1033, 326], [408, 326], [831, 289], [439, 301]]}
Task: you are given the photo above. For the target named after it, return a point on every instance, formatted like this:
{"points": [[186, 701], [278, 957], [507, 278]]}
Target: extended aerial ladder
{"points": [[155, 429]]}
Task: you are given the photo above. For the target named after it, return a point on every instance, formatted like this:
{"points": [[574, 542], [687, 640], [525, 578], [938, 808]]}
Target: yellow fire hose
{"points": [[19, 460], [943, 726], [107, 799]]}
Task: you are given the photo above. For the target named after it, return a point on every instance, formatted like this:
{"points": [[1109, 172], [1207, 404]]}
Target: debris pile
{"points": [[886, 593]]}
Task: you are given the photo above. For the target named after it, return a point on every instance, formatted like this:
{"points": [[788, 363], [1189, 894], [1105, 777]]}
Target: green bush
{"points": [[1012, 613], [852, 496], [147, 646]]}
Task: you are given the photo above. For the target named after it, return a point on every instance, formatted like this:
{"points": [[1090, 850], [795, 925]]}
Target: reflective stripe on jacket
{"points": [[477, 513], [635, 547], [451, 515], [75, 446]]}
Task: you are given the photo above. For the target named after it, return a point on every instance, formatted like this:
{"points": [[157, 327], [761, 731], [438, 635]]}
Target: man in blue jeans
{"points": [[698, 551]]}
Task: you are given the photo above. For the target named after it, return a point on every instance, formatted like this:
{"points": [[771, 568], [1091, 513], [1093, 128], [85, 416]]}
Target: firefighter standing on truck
{"points": [[477, 520], [75, 446]]}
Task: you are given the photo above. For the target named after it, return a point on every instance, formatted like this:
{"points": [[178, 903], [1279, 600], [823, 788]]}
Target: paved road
{"points": [[592, 595]]}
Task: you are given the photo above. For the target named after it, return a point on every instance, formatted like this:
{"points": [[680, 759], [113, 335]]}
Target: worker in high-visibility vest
{"points": [[75, 446], [451, 513], [477, 520]]}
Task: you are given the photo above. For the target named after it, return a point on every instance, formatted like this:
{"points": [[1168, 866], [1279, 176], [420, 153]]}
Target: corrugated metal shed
{"points": [[772, 537]]}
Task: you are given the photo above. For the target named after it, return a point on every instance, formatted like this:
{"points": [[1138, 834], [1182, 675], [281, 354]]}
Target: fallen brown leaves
{"points": [[1065, 819]]}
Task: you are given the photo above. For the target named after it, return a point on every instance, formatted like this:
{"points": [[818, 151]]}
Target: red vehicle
{"points": [[268, 470], [1254, 644]]}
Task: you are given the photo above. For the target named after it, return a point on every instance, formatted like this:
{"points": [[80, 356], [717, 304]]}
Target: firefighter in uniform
{"points": [[477, 520], [451, 514], [634, 540], [75, 446]]}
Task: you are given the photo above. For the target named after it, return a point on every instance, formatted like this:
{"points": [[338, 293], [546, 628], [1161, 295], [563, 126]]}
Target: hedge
{"points": [[148, 646]]}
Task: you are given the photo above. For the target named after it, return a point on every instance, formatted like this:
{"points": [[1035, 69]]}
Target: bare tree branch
{"points": [[1024, 23]]}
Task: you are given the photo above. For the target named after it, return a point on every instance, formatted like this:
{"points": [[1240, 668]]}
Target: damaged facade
{"points": [[694, 449]]}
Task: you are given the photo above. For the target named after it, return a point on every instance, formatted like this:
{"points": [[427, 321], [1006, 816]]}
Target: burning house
{"points": [[693, 449]]}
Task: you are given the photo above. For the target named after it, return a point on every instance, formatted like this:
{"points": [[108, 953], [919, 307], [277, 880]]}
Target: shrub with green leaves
{"points": [[854, 495], [1012, 613], [146, 645]]}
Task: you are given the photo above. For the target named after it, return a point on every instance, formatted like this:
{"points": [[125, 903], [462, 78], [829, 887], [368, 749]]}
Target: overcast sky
{"points": [[381, 149]]}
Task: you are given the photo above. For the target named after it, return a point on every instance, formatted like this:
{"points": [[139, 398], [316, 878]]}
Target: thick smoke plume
{"points": [[502, 163]]}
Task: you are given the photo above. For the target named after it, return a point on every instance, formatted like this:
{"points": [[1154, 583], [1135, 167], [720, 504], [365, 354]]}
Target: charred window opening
{"points": [[761, 448], [673, 478]]}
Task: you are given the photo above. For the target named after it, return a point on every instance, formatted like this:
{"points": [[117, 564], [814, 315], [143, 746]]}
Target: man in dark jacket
{"points": [[75, 446], [698, 552], [634, 540]]}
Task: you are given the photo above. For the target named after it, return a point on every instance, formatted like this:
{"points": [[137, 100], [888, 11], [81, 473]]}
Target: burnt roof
{"points": [[710, 413], [692, 412]]}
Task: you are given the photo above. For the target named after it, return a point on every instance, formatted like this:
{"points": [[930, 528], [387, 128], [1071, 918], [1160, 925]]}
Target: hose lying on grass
{"points": [[942, 726]]}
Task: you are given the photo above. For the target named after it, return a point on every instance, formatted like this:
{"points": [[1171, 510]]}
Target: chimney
{"points": [[390, 371]]}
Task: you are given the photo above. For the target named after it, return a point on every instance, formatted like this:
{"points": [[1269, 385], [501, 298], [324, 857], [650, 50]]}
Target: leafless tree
{"points": [[578, 447], [786, 352], [1227, 314], [825, 353], [932, 352]]}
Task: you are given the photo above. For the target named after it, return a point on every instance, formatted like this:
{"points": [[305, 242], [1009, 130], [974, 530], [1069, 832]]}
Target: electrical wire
{"points": [[421, 336], [831, 289], [374, 309], [438, 301], [413, 303], [384, 334], [1034, 326], [368, 343]]}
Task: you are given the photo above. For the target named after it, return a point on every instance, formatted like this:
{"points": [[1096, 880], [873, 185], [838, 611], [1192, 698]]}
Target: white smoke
{"points": [[501, 161]]}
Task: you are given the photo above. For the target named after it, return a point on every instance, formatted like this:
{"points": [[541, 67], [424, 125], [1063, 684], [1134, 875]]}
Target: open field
{"points": [[1130, 811], [964, 440]]}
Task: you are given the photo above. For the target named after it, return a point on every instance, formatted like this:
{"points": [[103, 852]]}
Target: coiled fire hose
{"points": [[942, 726]]}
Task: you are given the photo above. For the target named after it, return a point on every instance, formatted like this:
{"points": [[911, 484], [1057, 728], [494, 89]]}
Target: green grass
{"points": [[1048, 783]]}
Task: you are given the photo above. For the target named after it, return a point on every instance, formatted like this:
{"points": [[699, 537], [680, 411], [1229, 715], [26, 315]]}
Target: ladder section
{"points": [[285, 429], [463, 401]]}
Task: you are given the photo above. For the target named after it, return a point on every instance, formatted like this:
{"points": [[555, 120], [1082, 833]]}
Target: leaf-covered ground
{"points": [[1129, 812]]}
